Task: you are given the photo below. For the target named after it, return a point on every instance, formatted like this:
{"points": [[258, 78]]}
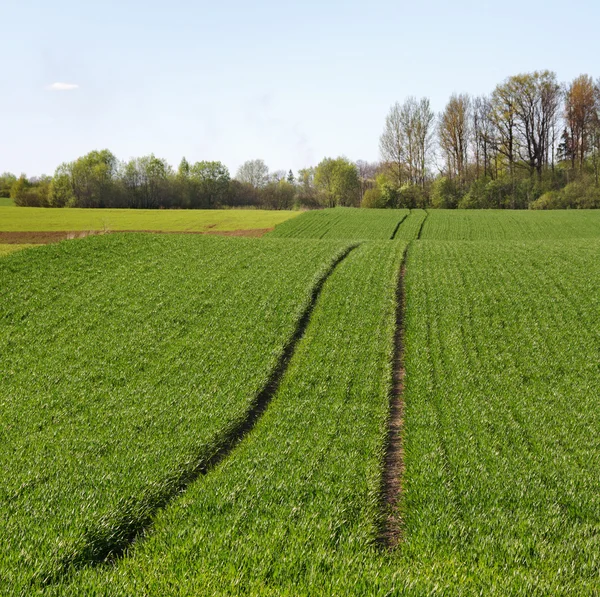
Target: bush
{"points": [[549, 200], [445, 193], [410, 196], [373, 199]]}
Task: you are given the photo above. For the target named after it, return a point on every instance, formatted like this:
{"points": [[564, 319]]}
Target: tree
{"points": [[61, 188], [253, 172], [93, 179], [373, 198], [145, 182], [392, 145], [528, 107], [6, 182], [278, 195], [406, 142], [454, 132], [211, 183], [338, 180], [31, 192], [580, 118], [482, 130], [307, 194]]}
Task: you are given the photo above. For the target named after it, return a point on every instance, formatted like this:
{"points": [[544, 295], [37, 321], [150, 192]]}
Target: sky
{"points": [[287, 82]]}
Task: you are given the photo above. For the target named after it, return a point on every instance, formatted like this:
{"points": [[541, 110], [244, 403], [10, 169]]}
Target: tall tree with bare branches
{"points": [[580, 114], [454, 132]]}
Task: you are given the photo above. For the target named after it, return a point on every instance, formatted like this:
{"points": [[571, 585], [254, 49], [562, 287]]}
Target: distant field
{"points": [[344, 223], [33, 219], [349, 223], [510, 225], [6, 202], [7, 249]]}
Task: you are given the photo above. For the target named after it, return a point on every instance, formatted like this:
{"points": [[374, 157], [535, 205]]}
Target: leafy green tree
{"points": [[338, 181], [31, 193], [6, 182], [373, 199], [93, 179], [445, 193], [61, 188], [211, 183], [146, 182]]}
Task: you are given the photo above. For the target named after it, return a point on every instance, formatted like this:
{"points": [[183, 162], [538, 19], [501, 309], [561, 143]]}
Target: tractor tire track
{"points": [[398, 226], [112, 536], [393, 470], [422, 224]]}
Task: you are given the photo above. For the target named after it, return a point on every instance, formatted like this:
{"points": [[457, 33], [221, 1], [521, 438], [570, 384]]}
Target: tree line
{"points": [[531, 143], [98, 179]]}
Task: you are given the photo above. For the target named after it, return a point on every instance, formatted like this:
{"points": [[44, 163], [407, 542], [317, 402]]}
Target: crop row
{"points": [[411, 227], [501, 492], [299, 498], [125, 363], [344, 223], [347, 223], [510, 225]]}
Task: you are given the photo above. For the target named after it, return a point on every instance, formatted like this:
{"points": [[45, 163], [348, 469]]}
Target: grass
{"points": [[510, 224], [8, 249], [410, 229], [344, 223], [500, 494], [198, 220], [129, 358], [298, 500], [501, 452], [127, 362], [6, 202]]}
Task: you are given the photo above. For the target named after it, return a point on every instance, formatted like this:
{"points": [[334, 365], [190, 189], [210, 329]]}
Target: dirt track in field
{"points": [[391, 532], [46, 237]]}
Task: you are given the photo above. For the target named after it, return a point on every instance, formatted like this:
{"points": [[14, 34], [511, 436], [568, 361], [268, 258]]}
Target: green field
{"points": [[32, 219], [7, 249], [344, 223], [510, 224], [439, 224], [6, 202], [185, 415], [125, 377]]}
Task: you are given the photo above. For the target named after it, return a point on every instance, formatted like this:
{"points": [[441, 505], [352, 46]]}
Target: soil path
{"points": [[394, 455]]}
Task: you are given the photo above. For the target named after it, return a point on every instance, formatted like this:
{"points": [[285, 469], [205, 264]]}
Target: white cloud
{"points": [[62, 87]]}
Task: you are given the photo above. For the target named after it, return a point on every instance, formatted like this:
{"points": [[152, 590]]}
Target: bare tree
{"points": [[528, 106], [392, 144], [406, 142], [580, 116], [367, 171], [253, 172], [483, 133], [454, 132]]}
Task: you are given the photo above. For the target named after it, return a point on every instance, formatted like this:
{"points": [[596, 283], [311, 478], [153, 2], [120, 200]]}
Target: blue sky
{"points": [[288, 82]]}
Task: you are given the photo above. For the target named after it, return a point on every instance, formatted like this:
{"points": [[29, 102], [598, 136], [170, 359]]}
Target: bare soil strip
{"points": [[110, 542], [398, 226], [391, 531], [44, 238]]}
